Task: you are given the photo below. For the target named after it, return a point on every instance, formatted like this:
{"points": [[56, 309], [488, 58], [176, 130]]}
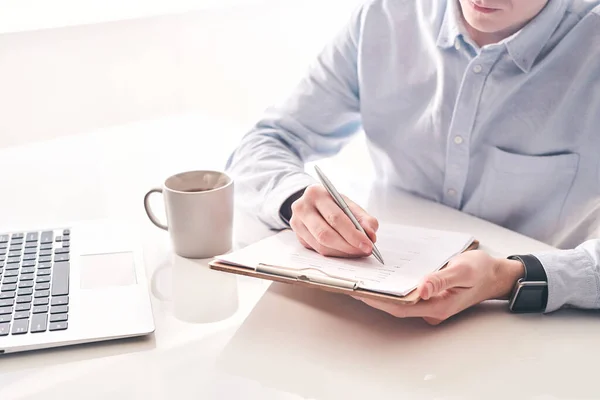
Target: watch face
{"points": [[530, 297]]}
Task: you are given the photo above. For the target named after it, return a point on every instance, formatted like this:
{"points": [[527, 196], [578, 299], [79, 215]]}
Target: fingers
{"points": [[320, 224], [340, 222], [308, 241]]}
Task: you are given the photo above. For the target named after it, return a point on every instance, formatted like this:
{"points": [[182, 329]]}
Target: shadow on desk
{"points": [[328, 346]]}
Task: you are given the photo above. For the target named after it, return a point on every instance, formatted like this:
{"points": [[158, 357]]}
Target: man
{"points": [[488, 106]]}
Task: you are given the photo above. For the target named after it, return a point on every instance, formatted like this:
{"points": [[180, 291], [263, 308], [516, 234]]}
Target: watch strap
{"points": [[534, 271], [534, 274]]}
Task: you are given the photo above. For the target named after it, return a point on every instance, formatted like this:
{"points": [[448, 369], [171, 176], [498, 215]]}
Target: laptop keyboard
{"points": [[34, 282]]}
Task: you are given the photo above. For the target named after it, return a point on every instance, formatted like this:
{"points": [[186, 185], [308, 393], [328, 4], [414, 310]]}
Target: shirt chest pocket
{"points": [[526, 193]]}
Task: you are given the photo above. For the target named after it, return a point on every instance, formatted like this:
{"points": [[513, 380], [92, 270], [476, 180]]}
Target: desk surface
{"points": [[256, 341]]}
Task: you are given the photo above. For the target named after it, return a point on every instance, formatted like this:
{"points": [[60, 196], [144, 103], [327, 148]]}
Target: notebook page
{"points": [[409, 253]]}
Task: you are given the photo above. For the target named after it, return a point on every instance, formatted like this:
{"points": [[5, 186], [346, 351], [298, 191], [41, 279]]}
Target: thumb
{"points": [[439, 281]]}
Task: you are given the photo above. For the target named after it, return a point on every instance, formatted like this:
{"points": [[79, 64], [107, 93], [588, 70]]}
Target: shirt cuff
{"points": [[571, 279], [284, 189]]}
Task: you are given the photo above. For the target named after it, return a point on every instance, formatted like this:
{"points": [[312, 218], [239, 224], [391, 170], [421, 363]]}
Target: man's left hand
{"points": [[468, 279]]}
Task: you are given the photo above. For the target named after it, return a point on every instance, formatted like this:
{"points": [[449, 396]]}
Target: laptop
{"points": [[71, 284]]}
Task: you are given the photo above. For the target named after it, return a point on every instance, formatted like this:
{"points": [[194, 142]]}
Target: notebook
{"points": [[410, 253]]}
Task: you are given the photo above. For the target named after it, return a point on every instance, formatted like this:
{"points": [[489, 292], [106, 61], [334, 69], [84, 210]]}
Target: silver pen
{"points": [[339, 200]]}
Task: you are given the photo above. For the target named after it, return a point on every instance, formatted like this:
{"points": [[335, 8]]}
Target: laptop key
{"points": [[3, 238], [42, 301], [28, 263], [58, 239], [5, 318], [61, 257], [4, 329], [25, 292], [25, 284], [45, 253], [39, 323], [44, 266], [14, 272], [42, 279], [23, 307], [31, 237], [14, 253], [42, 309], [12, 267], [41, 293], [60, 301], [58, 326], [29, 257], [59, 317], [66, 244], [21, 315], [66, 232], [24, 299], [10, 279], [8, 288], [61, 251], [17, 236], [60, 279], [20, 326], [46, 246], [7, 302], [9, 310], [27, 270], [59, 309], [45, 259], [42, 286], [31, 248], [26, 277], [13, 260], [43, 272], [7, 295], [16, 242], [47, 237]]}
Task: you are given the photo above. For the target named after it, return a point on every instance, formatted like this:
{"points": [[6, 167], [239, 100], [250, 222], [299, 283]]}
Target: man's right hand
{"points": [[322, 226]]}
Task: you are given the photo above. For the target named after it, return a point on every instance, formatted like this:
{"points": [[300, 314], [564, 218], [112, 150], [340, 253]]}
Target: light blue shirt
{"points": [[509, 132]]}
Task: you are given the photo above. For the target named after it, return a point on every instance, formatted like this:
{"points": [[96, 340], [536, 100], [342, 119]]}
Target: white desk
{"points": [[289, 343]]}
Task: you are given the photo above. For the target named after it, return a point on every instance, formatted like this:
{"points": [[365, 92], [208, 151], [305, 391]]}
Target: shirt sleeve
{"points": [[316, 121], [573, 276]]}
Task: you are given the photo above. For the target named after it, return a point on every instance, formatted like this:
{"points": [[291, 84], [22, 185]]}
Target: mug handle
{"points": [[149, 212]]}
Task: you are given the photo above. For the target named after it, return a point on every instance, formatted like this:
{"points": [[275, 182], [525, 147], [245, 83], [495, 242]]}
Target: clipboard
{"points": [[328, 284]]}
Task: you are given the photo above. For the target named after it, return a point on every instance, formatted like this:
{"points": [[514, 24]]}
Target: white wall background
{"points": [[223, 60]]}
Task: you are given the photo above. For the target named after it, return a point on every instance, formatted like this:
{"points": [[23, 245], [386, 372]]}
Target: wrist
{"points": [[509, 273]]}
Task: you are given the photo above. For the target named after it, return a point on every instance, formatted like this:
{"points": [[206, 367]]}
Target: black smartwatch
{"points": [[530, 294]]}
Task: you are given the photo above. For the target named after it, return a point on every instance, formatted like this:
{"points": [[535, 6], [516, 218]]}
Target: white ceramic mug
{"points": [[199, 209]]}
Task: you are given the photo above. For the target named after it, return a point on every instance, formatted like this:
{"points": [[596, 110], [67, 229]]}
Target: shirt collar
{"points": [[524, 46], [451, 26]]}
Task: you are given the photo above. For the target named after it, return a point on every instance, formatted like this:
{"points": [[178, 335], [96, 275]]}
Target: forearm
{"points": [[267, 170]]}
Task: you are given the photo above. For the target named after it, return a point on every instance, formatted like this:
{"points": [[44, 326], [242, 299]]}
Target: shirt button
{"points": [[451, 192], [477, 69], [458, 140]]}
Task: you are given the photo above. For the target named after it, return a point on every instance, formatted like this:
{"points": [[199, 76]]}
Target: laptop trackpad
{"points": [[107, 270]]}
